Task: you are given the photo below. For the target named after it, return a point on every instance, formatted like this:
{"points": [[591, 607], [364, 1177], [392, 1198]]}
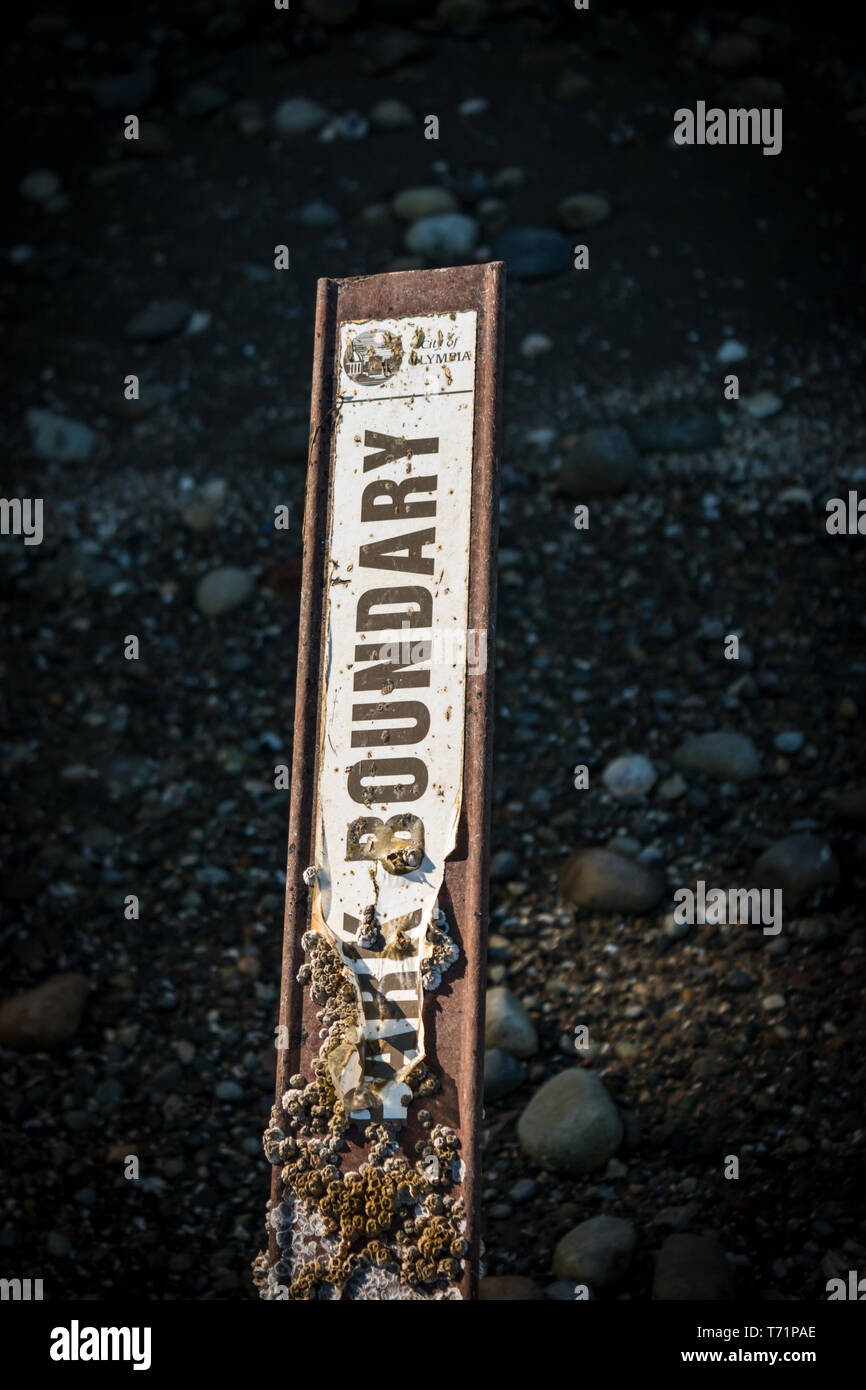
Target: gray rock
{"points": [[602, 881], [762, 405], [629, 778], [598, 463], [203, 99], [790, 741], [571, 1125], [502, 1074], [800, 865], [40, 186], [319, 214], [692, 1267], [228, 1090], [511, 1288], [581, 210], [673, 787], [41, 1018], [222, 590], [297, 117], [447, 234], [533, 253], [128, 92], [508, 1025], [59, 439], [721, 754], [504, 864], [391, 114], [597, 1252], [415, 203], [679, 432], [160, 319], [523, 1190]]}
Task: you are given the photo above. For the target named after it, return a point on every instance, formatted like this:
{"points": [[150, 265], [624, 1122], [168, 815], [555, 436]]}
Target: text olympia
{"points": [[392, 720]]}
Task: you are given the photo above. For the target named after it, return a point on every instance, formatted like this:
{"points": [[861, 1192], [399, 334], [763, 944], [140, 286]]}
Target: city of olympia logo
{"points": [[372, 356]]}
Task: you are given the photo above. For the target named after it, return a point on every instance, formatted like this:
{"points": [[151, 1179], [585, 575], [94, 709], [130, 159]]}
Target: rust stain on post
{"points": [[452, 1021]]}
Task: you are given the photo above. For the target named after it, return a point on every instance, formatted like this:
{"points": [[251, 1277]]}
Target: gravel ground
{"points": [[155, 776]]}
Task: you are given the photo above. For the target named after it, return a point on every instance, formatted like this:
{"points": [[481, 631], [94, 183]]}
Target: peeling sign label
{"points": [[392, 719]]}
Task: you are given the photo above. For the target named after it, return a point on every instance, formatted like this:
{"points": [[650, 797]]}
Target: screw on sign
{"points": [[374, 1133]]}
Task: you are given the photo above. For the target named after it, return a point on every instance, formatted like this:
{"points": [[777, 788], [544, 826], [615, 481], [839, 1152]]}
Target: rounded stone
{"points": [[508, 1025], [598, 463], [721, 754], [297, 117], [415, 203], [603, 881], [43, 1017], [571, 1125], [629, 778], [222, 590], [502, 1074], [800, 865], [597, 1252], [582, 210], [533, 253], [447, 234]]}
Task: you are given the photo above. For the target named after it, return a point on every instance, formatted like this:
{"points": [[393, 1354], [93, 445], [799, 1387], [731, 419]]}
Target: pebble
{"points": [[160, 319], [629, 778], [677, 433], [393, 47], [222, 590], [391, 114], [791, 741], [447, 234], [571, 1125], [800, 865], [58, 439], [673, 787], [601, 881], [772, 1003], [504, 180], [203, 99], [598, 463], [692, 1267], [45, 1016], [597, 1252], [58, 1244], [731, 351], [762, 404], [40, 186], [581, 210], [523, 1190], [319, 214], [229, 1090], [721, 754], [504, 864], [511, 1288], [533, 253], [415, 203], [534, 344], [502, 1074], [508, 1025], [297, 117]]}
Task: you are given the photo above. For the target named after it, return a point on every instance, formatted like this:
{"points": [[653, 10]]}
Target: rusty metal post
{"points": [[427, 344]]}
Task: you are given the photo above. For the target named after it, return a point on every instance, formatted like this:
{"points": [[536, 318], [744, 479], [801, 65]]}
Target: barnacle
{"points": [[391, 1211]]}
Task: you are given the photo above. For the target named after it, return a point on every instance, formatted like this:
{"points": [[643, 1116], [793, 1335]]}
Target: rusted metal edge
{"points": [[456, 1032]]}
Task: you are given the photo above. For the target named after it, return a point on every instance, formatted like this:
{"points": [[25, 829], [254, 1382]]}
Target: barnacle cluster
{"points": [[390, 1213], [444, 951]]}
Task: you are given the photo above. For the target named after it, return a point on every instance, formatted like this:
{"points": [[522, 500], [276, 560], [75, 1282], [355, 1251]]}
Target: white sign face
{"points": [[391, 755]]}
